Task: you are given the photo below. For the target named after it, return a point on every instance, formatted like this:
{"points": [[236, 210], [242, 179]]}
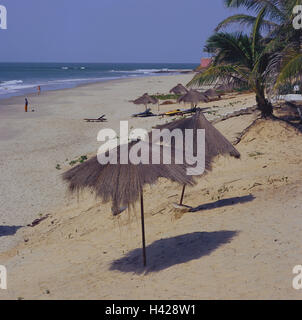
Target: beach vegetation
{"points": [[255, 154], [166, 96], [81, 159]]}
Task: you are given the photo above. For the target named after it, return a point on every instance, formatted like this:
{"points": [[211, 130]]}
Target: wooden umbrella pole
{"points": [[182, 195], [143, 229]]}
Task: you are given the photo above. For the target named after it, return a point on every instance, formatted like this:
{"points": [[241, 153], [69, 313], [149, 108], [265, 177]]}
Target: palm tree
{"points": [[285, 46], [239, 59], [286, 63]]}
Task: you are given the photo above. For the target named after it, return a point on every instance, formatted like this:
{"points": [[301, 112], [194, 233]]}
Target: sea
{"points": [[24, 78]]}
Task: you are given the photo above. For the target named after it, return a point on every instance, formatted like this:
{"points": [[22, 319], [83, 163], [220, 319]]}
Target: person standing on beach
{"points": [[39, 89], [26, 104]]}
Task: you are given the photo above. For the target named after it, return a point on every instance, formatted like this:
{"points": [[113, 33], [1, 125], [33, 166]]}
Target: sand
{"points": [[34, 143], [242, 240]]}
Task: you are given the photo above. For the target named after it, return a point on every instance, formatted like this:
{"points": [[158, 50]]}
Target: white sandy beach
{"points": [[245, 247], [33, 143]]}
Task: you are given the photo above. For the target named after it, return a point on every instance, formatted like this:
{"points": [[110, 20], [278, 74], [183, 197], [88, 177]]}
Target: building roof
{"points": [[205, 62]]}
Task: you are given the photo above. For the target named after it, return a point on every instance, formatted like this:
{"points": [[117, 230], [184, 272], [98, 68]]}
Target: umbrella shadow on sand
{"points": [[8, 230], [223, 203], [165, 253]]}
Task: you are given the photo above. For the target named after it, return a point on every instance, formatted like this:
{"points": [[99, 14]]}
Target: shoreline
{"points": [[10, 100], [29, 86]]}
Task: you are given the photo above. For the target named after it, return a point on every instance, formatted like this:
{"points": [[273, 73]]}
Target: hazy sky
{"points": [[108, 30]]}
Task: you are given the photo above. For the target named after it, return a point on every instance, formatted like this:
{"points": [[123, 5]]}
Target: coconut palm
{"points": [[285, 45], [286, 62], [239, 59]]}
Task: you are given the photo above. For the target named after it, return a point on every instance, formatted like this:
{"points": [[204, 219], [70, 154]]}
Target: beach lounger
{"points": [[144, 114], [297, 106], [178, 112], [172, 112], [191, 110], [100, 119]]}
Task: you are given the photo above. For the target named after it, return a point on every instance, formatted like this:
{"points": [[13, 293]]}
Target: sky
{"points": [[108, 30]]}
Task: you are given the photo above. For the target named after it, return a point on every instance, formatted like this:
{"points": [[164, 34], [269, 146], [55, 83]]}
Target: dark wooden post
{"points": [[182, 195], [143, 229]]}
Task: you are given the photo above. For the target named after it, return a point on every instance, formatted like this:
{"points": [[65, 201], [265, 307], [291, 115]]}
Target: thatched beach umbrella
{"points": [[211, 93], [123, 183], [193, 97], [179, 89], [215, 143], [145, 99], [225, 87]]}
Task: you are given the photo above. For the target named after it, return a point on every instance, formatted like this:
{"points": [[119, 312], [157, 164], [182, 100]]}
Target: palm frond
{"points": [[292, 67], [275, 11], [230, 48], [256, 31], [224, 73], [244, 20]]}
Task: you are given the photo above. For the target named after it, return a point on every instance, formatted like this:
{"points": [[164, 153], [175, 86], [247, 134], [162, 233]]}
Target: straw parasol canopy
{"points": [[145, 99], [211, 93], [193, 97], [225, 87], [123, 183], [215, 143], [179, 89]]}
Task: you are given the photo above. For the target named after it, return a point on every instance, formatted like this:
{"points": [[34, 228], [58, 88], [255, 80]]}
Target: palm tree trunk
{"points": [[263, 104]]}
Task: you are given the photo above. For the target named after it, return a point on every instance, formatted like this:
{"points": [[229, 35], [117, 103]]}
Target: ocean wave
{"points": [[10, 82], [84, 80], [8, 87], [73, 68], [62, 78], [50, 82], [12, 86]]}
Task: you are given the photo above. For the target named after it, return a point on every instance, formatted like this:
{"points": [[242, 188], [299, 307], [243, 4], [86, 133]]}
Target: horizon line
{"points": [[99, 62]]}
